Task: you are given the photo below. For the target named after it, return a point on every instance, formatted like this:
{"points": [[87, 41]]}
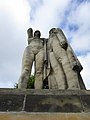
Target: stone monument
{"points": [[59, 93], [55, 61]]}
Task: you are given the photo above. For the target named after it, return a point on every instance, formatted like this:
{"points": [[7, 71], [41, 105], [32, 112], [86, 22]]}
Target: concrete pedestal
{"points": [[17, 104], [17, 100], [44, 116]]}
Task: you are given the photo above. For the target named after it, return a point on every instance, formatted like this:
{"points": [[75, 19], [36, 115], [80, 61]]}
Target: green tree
{"points": [[30, 84], [31, 81]]}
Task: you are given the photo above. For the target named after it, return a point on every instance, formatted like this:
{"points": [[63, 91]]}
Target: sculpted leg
{"points": [[39, 71], [52, 81], [58, 71], [23, 79], [27, 62], [71, 75]]}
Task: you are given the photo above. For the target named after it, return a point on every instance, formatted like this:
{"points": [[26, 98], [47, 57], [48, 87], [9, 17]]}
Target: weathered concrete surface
{"points": [[42, 100], [34, 52], [44, 116], [64, 63]]}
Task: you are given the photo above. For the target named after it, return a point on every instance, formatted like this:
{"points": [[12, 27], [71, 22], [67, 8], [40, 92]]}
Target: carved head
{"points": [[53, 30], [30, 32], [37, 34]]}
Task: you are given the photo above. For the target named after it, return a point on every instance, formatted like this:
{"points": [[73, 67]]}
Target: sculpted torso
{"points": [[35, 45]]}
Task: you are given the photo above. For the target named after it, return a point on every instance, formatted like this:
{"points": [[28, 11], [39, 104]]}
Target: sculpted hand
{"points": [[76, 68], [64, 45]]}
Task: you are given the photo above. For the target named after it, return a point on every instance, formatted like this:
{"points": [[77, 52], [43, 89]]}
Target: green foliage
{"points": [[30, 84]]}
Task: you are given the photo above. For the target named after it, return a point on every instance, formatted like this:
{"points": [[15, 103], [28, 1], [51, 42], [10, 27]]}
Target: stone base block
{"points": [[44, 116], [67, 101]]}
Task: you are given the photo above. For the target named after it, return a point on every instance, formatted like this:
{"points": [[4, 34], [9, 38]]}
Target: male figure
{"points": [[74, 62], [66, 78], [33, 52]]}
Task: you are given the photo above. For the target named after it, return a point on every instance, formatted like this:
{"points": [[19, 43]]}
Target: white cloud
{"points": [[85, 60], [16, 16], [81, 17], [48, 14], [80, 38], [14, 21], [18, 10]]}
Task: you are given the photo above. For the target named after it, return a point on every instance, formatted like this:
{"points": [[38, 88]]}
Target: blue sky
{"points": [[16, 16]]}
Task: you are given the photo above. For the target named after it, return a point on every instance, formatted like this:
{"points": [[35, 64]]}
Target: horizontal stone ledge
{"points": [[44, 116], [43, 91], [44, 100]]}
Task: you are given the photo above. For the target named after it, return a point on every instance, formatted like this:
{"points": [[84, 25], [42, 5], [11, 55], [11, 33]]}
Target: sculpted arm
{"points": [[71, 55], [62, 39], [30, 35]]}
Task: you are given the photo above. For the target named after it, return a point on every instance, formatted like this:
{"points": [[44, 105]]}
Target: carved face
{"points": [[37, 34], [53, 30]]}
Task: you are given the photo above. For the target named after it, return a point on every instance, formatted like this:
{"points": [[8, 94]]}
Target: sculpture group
{"points": [[55, 62]]}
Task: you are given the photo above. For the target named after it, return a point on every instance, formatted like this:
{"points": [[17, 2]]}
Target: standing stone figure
{"points": [[63, 61], [33, 52], [74, 62], [56, 66]]}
